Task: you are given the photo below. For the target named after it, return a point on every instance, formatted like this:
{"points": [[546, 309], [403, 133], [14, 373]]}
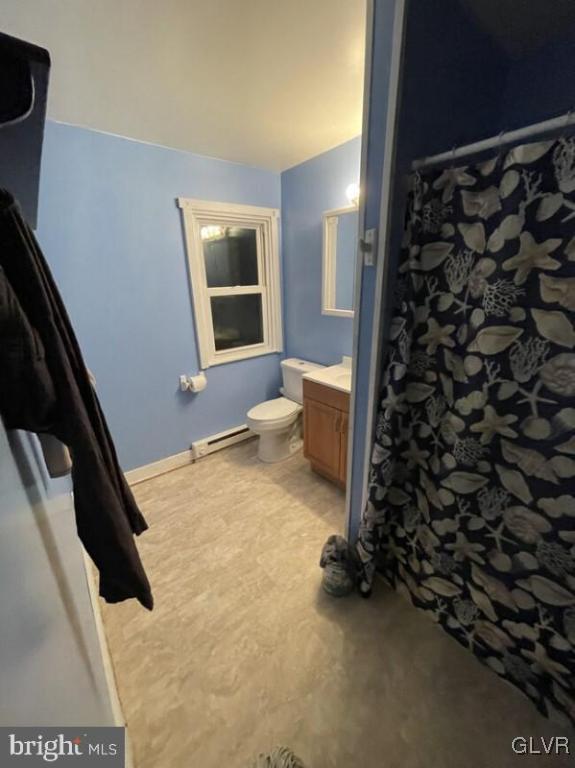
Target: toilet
{"points": [[278, 421]]}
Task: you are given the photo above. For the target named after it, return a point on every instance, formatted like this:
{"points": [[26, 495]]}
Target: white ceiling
{"points": [[521, 26], [264, 82]]}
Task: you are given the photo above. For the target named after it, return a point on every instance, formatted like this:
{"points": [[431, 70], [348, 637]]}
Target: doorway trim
{"points": [[384, 232]]}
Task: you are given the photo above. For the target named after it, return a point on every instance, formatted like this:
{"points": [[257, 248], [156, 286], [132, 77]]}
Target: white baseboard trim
{"points": [[138, 475], [199, 449]]}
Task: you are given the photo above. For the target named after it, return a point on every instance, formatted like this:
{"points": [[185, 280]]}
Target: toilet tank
{"points": [[293, 370]]}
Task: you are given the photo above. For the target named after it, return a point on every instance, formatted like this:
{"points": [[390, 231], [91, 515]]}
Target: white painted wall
{"points": [[51, 669]]}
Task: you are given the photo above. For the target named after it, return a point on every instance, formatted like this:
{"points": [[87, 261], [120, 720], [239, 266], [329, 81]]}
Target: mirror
{"points": [[340, 233]]}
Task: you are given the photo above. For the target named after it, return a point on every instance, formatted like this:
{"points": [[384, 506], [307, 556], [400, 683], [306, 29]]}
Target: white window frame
{"points": [[200, 213], [330, 220]]}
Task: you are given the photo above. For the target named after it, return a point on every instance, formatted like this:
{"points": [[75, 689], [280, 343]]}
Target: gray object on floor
{"points": [[339, 561], [279, 757]]}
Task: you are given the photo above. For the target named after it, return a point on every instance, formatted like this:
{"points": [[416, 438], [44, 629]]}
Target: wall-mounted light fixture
{"points": [[352, 193]]}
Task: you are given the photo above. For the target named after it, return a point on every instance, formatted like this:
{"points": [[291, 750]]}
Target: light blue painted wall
{"points": [[308, 190], [112, 234]]}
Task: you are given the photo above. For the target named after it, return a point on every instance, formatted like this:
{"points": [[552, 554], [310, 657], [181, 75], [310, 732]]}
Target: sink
{"points": [[344, 378], [335, 376]]}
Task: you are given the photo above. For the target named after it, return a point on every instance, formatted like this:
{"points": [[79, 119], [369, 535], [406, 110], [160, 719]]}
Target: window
{"points": [[234, 273]]}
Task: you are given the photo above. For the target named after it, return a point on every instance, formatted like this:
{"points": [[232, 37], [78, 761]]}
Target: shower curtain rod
{"points": [[563, 121]]}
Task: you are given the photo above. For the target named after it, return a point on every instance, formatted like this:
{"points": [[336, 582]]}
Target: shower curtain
{"points": [[472, 488]]}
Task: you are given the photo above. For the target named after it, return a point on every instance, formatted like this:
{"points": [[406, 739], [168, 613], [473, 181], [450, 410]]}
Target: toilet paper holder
{"points": [[193, 383]]}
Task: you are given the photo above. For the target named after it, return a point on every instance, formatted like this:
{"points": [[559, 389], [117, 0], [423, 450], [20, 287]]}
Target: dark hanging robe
{"points": [[45, 388]]}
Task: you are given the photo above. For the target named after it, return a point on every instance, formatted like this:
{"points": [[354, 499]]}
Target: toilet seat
{"points": [[273, 413]]}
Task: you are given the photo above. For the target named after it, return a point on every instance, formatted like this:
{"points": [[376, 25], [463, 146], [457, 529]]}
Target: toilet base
{"points": [[279, 445]]}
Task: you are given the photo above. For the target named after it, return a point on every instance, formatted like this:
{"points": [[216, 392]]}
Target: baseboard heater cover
{"points": [[198, 450], [207, 445]]}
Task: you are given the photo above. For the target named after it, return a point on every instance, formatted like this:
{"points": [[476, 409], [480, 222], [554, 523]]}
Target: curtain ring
{"points": [[500, 141], [453, 150]]}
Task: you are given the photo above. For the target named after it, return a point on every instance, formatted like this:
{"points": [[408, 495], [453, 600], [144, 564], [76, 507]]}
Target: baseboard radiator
{"points": [[198, 450], [201, 448]]}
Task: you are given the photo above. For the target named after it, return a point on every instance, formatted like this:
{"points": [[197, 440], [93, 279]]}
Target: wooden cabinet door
{"points": [[343, 449], [322, 447]]}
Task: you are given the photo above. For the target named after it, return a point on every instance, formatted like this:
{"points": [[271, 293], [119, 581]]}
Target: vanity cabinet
{"points": [[326, 416]]}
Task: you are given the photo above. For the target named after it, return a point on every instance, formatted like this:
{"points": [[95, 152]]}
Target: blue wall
{"points": [[540, 86], [112, 234], [308, 190], [453, 80]]}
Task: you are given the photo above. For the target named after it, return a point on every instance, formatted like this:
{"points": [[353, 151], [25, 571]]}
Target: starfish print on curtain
{"points": [[472, 489]]}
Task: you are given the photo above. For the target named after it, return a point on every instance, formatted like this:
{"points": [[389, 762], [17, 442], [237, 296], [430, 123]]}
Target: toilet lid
{"points": [[270, 410]]}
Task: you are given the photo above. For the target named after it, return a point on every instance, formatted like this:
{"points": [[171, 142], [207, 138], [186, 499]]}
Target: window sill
{"points": [[242, 353]]}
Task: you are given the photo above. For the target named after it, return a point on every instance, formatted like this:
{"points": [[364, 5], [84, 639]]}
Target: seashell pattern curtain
{"points": [[472, 489]]}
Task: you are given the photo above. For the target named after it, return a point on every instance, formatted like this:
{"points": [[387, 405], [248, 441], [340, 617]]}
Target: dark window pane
{"points": [[237, 320], [231, 256]]}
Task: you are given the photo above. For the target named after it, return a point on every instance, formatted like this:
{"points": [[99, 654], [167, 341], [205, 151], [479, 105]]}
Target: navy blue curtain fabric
{"points": [[472, 490]]}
